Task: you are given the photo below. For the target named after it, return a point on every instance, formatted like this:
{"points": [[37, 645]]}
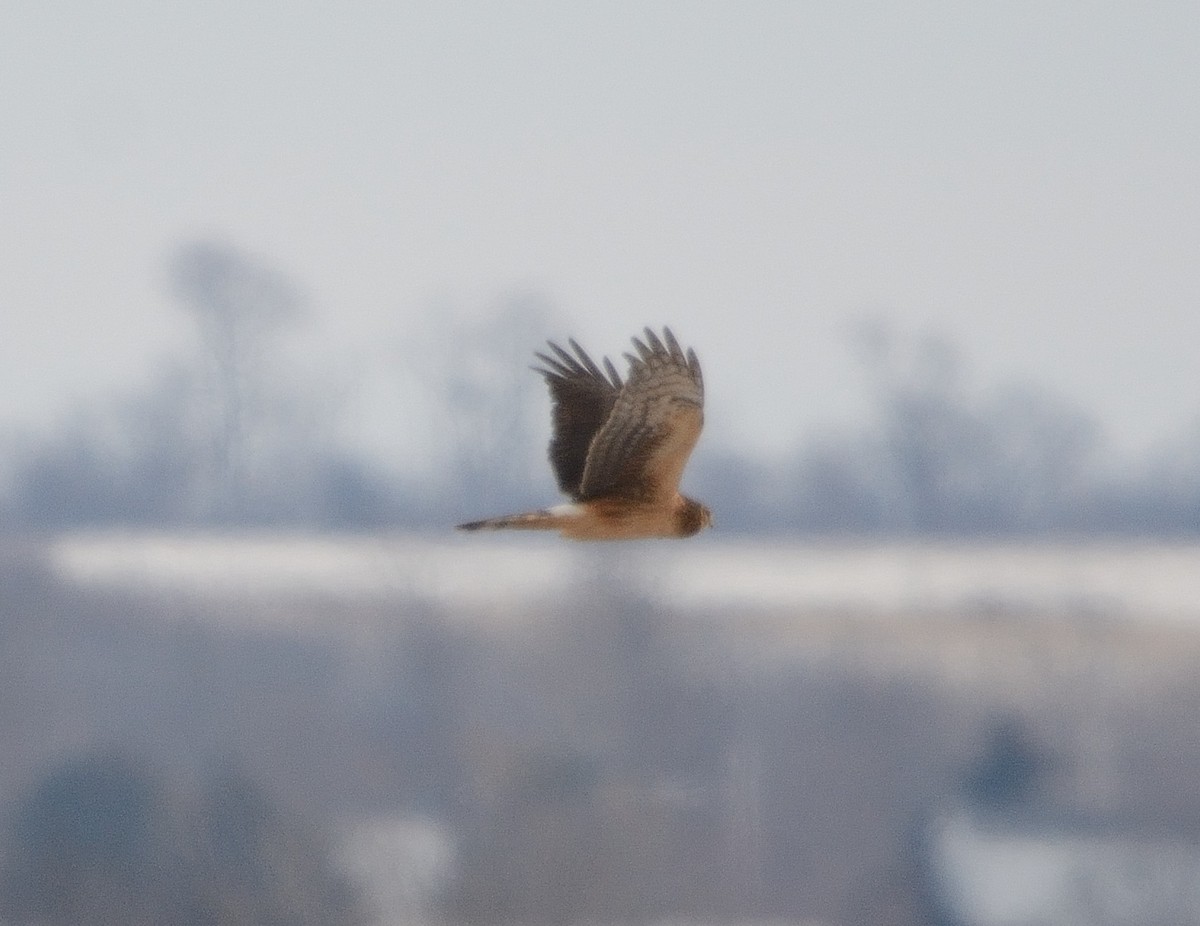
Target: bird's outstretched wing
{"points": [[654, 422], [583, 397]]}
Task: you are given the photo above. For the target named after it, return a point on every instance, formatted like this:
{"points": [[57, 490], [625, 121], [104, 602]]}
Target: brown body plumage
{"points": [[619, 448]]}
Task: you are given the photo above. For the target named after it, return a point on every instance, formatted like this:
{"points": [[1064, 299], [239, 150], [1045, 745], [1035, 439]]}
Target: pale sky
{"points": [[1023, 178]]}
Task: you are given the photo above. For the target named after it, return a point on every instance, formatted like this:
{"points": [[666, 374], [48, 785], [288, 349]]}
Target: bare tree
{"points": [[1015, 459], [240, 307], [477, 373]]}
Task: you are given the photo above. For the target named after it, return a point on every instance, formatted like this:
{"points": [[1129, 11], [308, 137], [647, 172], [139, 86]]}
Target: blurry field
{"points": [[1127, 580], [1001, 616], [521, 730]]}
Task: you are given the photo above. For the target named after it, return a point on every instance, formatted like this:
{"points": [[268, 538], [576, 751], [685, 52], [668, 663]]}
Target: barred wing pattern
{"points": [[641, 451]]}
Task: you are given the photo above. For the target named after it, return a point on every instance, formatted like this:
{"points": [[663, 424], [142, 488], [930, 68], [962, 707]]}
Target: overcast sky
{"points": [[1022, 177]]}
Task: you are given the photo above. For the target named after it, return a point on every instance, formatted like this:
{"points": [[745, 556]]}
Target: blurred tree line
{"points": [[233, 438], [599, 758]]}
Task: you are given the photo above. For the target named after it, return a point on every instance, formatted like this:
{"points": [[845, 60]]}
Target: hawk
{"points": [[619, 448]]}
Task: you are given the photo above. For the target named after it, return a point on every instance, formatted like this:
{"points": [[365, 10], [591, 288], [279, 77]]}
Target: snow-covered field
{"points": [[1127, 579]]}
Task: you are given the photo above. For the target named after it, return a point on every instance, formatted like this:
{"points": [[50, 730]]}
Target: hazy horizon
{"points": [[1020, 180]]}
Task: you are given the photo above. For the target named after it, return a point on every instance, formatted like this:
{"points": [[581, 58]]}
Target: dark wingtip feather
{"points": [[588, 363], [693, 363], [552, 369], [563, 366], [580, 365], [673, 345], [567, 360]]}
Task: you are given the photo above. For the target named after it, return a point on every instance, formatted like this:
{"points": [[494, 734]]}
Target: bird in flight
{"points": [[619, 448]]}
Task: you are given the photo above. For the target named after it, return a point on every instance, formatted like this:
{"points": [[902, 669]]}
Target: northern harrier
{"points": [[619, 449]]}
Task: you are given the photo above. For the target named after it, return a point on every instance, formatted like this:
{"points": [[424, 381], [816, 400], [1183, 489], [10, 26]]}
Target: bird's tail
{"points": [[541, 520]]}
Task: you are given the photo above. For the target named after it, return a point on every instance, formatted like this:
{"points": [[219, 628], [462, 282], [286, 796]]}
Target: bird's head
{"points": [[693, 517]]}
